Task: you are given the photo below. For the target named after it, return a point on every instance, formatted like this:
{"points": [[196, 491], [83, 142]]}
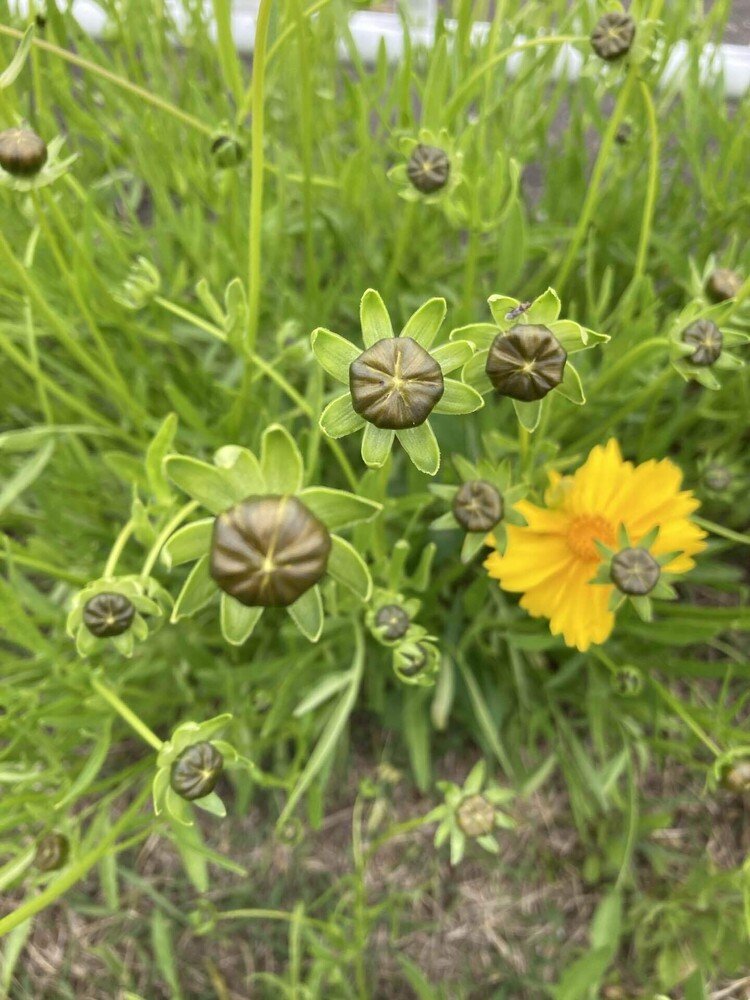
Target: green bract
{"points": [[149, 601], [237, 475], [337, 355], [471, 811], [498, 477], [510, 313]]}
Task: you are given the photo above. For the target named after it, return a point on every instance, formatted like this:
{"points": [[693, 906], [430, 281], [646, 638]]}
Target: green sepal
{"points": [[376, 323], [376, 445], [243, 470], [348, 567], [333, 353], [473, 543], [571, 387], [458, 398], [339, 418], [237, 620], [196, 592], [307, 614], [423, 325], [421, 446], [281, 461], [205, 483], [338, 509], [187, 543], [529, 414]]}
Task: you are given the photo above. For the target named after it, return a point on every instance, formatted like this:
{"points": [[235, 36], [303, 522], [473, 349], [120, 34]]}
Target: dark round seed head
{"points": [[395, 383], [267, 551], [477, 506], [107, 615], [392, 621], [195, 772], [227, 150], [627, 681], [723, 284], [613, 35], [634, 572], [526, 362], [428, 168], [22, 152], [52, 852], [707, 340], [476, 816], [718, 477], [624, 134], [737, 778]]}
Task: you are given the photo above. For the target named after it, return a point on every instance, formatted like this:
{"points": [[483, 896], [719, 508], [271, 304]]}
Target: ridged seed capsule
{"points": [[613, 36], [428, 168], [477, 506], [195, 772], [635, 572], [526, 363], [267, 551], [395, 383], [22, 152], [706, 338], [392, 621], [107, 615]]}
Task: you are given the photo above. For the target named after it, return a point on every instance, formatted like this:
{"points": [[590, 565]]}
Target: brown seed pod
{"points": [[526, 362], [52, 852], [195, 772], [723, 284], [477, 506], [107, 615], [634, 572], [395, 383], [613, 36], [22, 152], [428, 168], [737, 778], [267, 551], [392, 621], [706, 338], [476, 816]]}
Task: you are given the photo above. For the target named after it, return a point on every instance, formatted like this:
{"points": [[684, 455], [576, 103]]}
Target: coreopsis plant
{"points": [[395, 383], [270, 541], [28, 163], [471, 812], [554, 560], [636, 572], [483, 503], [431, 168], [525, 354], [701, 339], [117, 610]]}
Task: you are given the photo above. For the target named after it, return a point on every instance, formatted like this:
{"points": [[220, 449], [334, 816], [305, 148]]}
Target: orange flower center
{"points": [[584, 531]]}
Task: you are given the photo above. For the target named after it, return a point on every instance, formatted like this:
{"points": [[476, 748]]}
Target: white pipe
{"points": [[371, 29]]}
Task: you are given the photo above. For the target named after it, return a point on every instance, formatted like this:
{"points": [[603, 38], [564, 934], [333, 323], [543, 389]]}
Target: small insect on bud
{"points": [[227, 150], [267, 551], [613, 36], [52, 852], [634, 572], [718, 478], [707, 340], [477, 506], [428, 168], [627, 682], [195, 772], [22, 152], [723, 284], [526, 362], [395, 383], [519, 310], [392, 621], [476, 816], [107, 615]]}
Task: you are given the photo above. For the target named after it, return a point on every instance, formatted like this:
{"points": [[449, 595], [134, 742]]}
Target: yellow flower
{"points": [[553, 558]]}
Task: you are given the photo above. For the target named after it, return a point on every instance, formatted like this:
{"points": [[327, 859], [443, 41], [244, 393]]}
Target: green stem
{"points": [[719, 529], [120, 542], [613, 371], [403, 239], [127, 714], [653, 183], [679, 709], [74, 872], [165, 533], [257, 171]]}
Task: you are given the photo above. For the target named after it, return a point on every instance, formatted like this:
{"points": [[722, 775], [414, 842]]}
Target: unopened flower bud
{"points": [[627, 682], [52, 852], [227, 150], [477, 506], [706, 338], [395, 383], [737, 778], [195, 772], [268, 551], [107, 615], [613, 36], [476, 816], [392, 621], [723, 284], [526, 362], [428, 168], [634, 572], [22, 152], [718, 478]]}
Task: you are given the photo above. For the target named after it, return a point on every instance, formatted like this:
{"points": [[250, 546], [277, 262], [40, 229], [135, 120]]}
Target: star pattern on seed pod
{"points": [[634, 571], [106, 615], [392, 621], [22, 152], [268, 551], [526, 362], [477, 506], [196, 770], [395, 384], [705, 336], [613, 35], [428, 168]]}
